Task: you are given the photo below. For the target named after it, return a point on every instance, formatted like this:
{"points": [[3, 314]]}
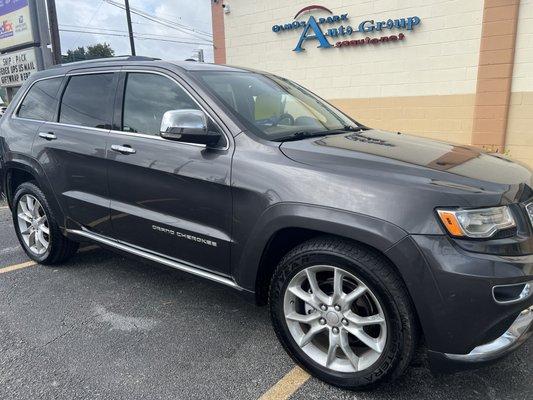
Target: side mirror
{"points": [[188, 126]]}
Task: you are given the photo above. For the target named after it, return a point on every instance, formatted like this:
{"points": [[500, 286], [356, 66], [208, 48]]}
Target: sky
{"points": [[107, 23]]}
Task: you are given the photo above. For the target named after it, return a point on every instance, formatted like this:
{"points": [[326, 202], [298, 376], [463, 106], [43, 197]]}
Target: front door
{"points": [[167, 197]]}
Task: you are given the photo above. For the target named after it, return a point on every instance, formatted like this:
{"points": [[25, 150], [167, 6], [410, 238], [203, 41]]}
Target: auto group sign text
{"points": [[342, 35]]}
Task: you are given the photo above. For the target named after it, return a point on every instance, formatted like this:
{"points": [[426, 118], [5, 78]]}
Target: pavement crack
{"points": [[75, 326]]}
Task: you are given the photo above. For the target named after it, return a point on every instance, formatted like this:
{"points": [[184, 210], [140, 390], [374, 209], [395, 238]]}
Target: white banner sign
{"points": [[15, 23], [16, 67]]}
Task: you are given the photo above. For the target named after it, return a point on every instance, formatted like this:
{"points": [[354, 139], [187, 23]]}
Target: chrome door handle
{"points": [[48, 135], [122, 149]]}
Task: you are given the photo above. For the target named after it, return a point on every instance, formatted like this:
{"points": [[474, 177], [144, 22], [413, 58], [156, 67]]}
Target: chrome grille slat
{"points": [[529, 209]]}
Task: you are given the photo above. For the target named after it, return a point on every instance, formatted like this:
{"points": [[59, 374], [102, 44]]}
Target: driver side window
{"points": [[147, 97]]}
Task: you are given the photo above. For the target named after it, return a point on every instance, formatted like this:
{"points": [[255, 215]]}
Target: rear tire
{"points": [[355, 337], [36, 228]]}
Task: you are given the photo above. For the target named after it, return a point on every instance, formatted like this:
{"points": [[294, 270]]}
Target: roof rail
{"points": [[117, 58]]}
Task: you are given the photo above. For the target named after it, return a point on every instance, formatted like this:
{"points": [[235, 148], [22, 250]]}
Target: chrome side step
{"points": [[153, 257]]}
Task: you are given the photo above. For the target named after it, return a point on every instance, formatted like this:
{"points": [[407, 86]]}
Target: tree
{"points": [[98, 50], [75, 55]]}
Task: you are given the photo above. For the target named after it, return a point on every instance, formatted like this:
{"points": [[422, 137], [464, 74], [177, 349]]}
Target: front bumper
{"points": [[519, 331], [516, 334], [464, 325]]}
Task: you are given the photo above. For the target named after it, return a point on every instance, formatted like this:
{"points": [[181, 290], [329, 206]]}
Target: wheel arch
{"points": [[284, 226], [25, 169]]}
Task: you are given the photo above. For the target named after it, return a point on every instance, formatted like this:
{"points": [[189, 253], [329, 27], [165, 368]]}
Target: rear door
{"points": [[72, 149], [168, 197], [39, 104]]}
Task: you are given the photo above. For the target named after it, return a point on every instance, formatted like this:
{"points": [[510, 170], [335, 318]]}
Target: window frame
{"points": [[63, 89], [120, 74], [16, 109], [119, 107]]}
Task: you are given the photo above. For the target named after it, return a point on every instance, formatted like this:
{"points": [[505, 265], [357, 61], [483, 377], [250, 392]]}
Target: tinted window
{"points": [[40, 101], [147, 97], [88, 101]]}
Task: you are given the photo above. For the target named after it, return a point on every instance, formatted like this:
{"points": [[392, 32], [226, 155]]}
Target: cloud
{"points": [[90, 14]]}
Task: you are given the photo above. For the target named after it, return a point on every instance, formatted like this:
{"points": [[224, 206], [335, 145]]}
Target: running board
{"points": [[153, 257]]}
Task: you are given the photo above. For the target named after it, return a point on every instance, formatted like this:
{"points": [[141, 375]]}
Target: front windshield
{"points": [[274, 108]]}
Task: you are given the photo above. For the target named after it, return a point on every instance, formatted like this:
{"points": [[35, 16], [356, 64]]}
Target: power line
{"points": [[136, 35], [172, 26], [102, 31], [90, 21], [207, 41], [167, 23]]}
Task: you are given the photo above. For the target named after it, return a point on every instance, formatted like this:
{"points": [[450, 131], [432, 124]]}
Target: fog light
{"points": [[512, 293]]}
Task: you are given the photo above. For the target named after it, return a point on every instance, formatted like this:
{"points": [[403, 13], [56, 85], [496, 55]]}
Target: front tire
{"points": [[37, 230], [342, 313]]}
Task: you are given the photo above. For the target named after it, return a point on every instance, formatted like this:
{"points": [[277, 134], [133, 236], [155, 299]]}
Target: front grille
{"points": [[529, 209]]}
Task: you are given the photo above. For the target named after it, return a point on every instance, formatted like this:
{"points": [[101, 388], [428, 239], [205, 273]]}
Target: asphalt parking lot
{"points": [[106, 327]]}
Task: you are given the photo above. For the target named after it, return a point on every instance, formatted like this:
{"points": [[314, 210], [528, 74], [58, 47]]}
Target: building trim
{"points": [[495, 73], [219, 36]]}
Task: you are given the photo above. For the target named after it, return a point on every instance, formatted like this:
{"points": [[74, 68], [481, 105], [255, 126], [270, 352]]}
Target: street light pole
{"points": [[130, 29]]}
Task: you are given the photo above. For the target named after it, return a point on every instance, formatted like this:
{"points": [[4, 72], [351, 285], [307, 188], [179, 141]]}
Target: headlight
{"points": [[480, 223]]}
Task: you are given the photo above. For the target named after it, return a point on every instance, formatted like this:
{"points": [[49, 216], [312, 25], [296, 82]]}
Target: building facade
{"points": [[454, 70]]}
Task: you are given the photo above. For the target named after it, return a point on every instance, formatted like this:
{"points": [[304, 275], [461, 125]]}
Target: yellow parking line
{"points": [[287, 385], [4, 208], [18, 266]]}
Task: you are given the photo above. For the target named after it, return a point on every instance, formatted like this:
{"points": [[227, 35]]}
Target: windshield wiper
{"points": [[306, 134], [302, 135], [351, 128]]}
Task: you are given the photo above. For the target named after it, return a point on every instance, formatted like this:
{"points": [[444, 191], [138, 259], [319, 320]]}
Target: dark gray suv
{"points": [[364, 243]]}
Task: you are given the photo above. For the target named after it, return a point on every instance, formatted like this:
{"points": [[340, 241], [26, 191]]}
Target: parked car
{"points": [[363, 242]]}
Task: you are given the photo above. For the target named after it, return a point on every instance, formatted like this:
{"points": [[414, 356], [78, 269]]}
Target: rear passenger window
{"points": [[147, 97], [40, 102], [88, 101]]}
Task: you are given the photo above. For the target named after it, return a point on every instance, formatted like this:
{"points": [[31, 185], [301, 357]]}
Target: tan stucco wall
{"points": [[424, 85], [444, 48], [439, 117], [519, 141], [400, 86]]}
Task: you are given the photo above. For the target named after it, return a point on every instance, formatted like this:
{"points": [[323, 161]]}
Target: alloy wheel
{"points": [[335, 318], [33, 224]]}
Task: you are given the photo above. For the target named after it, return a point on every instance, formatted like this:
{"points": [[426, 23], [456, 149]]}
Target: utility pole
{"points": [[54, 31], [130, 30]]}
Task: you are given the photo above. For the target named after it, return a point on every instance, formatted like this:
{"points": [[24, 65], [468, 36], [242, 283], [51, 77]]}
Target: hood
{"points": [[390, 152]]}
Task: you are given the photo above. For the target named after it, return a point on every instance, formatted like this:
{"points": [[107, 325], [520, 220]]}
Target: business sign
{"points": [[15, 24], [16, 67], [329, 34]]}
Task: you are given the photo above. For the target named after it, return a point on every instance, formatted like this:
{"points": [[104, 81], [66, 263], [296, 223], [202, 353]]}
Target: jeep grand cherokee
{"points": [[363, 242]]}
